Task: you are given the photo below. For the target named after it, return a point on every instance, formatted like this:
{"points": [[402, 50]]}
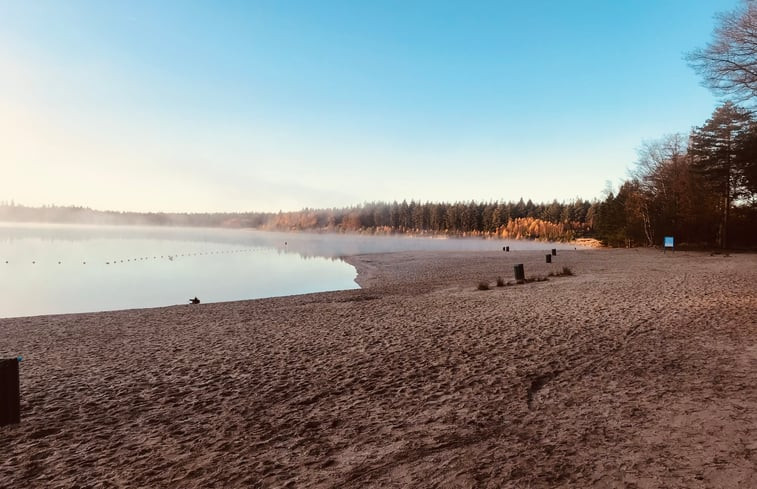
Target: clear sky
{"points": [[280, 105]]}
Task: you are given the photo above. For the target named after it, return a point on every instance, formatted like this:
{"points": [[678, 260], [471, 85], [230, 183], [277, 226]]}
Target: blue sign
{"points": [[668, 241]]}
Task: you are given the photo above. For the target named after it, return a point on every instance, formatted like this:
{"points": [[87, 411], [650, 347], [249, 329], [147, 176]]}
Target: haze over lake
{"points": [[51, 269]]}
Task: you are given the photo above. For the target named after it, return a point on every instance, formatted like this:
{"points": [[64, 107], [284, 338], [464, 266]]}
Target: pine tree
{"points": [[716, 148]]}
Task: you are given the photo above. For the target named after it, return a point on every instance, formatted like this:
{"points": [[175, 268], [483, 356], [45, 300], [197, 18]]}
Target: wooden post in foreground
{"points": [[520, 274], [10, 392], [549, 258]]}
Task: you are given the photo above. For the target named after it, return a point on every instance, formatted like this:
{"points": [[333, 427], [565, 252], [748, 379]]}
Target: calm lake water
{"points": [[51, 269]]}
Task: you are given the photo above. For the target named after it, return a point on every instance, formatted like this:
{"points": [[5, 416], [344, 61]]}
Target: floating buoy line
{"points": [[171, 257]]}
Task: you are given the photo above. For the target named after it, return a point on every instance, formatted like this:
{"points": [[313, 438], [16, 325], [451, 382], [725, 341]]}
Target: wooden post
{"points": [[520, 274], [10, 392], [554, 251], [507, 248], [549, 258]]}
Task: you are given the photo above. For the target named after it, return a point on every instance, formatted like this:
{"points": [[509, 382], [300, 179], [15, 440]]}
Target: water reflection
{"points": [[54, 269]]}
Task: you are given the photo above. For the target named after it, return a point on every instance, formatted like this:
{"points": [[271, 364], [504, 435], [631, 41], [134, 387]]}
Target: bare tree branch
{"points": [[728, 64]]}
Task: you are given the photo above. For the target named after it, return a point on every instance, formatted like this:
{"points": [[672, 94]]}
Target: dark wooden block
{"points": [[520, 274], [10, 392]]}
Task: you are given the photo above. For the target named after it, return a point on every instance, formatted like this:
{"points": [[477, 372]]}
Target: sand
{"points": [[639, 371]]}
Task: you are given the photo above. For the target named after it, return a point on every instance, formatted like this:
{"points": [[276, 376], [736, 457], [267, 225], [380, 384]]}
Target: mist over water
{"points": [[50, 269]]}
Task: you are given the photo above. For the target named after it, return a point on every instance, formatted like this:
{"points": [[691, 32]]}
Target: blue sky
{"points": [[281, 105]]}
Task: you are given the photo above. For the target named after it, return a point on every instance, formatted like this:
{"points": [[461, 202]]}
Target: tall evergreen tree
{"points": [[716, 148]]}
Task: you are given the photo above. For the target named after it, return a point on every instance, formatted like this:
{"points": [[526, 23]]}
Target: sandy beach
{"points": [[638, 371]]}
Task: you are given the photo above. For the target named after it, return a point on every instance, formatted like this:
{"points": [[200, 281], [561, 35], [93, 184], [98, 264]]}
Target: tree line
{"points": [[12, 212], [554, 221], [521, 219], [700, 188]]}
